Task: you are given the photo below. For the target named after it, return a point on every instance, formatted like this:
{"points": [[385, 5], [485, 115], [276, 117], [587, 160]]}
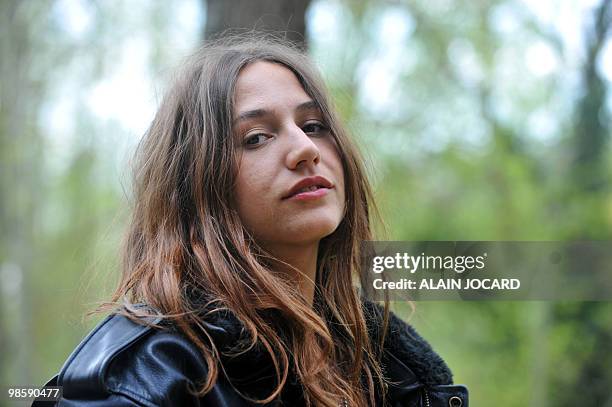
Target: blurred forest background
{"points": [[481, 120]]}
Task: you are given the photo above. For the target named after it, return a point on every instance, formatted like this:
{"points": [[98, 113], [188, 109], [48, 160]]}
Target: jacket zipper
{"points": [[426, 395]]}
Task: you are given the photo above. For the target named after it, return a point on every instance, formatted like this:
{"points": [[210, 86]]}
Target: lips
{"points": [[309, 184]]}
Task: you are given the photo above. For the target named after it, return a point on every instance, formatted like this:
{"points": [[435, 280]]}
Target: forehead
{"points": [[265, 84]]}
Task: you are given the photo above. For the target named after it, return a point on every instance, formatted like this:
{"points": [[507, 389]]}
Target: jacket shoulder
{"points": [[85, 367], [120, 357]]}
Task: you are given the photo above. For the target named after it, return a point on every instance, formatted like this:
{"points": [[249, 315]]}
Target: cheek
{"points": [[252, 192], [335, 166], [246, 186]]}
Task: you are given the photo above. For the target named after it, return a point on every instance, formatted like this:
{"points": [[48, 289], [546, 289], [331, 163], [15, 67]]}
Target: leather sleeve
{"points": [[112, 400], [160, 371], [122, 363]]}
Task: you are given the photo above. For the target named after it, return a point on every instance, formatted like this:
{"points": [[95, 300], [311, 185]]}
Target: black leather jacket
{"points": [[121, 363]]}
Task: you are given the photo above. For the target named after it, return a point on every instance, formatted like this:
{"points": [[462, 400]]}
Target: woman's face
{"points": [[290, 183]]}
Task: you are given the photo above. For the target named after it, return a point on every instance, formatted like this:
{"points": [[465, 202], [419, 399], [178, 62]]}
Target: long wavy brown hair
{"points": [[185, 236]]}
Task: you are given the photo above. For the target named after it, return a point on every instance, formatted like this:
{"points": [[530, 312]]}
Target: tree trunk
{"points": [[592, 384], [20, 183], [280, 16], [592, 128]]}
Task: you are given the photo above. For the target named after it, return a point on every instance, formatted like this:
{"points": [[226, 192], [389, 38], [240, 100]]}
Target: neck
{"points": [[303, 270]]}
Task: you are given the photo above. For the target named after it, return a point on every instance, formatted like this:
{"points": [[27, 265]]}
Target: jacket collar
{"points": [[407, 356], [407, 352]]}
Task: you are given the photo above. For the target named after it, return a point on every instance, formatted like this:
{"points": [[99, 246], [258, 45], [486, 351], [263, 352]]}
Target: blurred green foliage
{"points": [[480, 121]]}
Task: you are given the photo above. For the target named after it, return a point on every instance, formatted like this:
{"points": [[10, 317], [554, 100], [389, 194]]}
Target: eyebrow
{"points": [[256, 113]]}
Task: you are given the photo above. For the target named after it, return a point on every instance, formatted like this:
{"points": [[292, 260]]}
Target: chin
{"points": [[317, 230]]}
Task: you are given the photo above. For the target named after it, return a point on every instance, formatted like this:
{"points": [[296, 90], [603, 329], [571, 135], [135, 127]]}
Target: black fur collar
{"points": [[402, 341]]}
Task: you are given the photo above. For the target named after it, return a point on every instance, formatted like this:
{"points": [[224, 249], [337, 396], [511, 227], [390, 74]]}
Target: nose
{"points": [[302, 150]]}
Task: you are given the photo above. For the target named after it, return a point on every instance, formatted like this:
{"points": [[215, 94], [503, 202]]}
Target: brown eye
{"points": [[314, 128], [255, 140]]}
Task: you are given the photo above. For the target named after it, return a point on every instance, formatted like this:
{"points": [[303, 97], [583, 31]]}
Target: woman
{"points": [[250, 205]]}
